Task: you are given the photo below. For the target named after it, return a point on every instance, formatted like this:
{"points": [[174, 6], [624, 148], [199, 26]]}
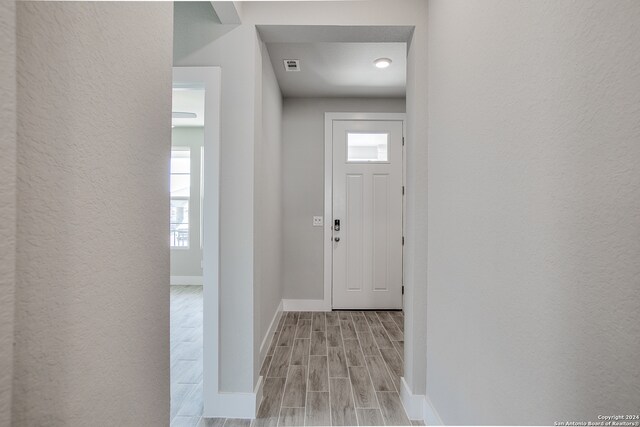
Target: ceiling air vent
{"points": [[292, 64]]}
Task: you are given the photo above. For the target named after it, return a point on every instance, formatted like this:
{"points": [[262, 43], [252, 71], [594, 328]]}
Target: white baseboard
{"points": [[430, 415], [305, 305], [234, 405], [266, 340], [418, 406], [186, 280], [412, 402], [258, 393], [244, 405], [264, 347]]}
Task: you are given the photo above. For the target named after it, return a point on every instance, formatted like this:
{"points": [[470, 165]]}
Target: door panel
{"points": [[380, 231], [367, 200], [353, 226]]}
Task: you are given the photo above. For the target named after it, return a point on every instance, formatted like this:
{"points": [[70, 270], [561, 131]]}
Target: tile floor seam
{"points": [[371, 378], [328, 375], [390, 372], [385, 362], [346, 364], [353, 396], [274, 339], [306, 397], [284, 390]]}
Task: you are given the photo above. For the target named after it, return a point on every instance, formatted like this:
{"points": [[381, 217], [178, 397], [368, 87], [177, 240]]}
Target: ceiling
{"points": [[334, 33], [334, 69], [187, 100]]}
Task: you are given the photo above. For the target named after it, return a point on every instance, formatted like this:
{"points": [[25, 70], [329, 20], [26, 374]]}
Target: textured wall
{"points": [[8, 198], [534, 210], [303, 185], [92, 294]]}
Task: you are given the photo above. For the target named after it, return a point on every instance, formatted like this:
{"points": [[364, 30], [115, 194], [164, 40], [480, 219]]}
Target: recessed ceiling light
{"points": [[382, 62]]}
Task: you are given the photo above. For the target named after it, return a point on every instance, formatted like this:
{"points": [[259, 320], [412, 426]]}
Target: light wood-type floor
{"points": [[186, 355], [322, 368]]}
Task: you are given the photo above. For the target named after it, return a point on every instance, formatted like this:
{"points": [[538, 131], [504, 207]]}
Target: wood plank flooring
{"points": [[186, 355], [353, 362], [321, 369]]}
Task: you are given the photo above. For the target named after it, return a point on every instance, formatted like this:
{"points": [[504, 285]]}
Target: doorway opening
{"points": [[185, 241], [342, 159], [193, 238]]}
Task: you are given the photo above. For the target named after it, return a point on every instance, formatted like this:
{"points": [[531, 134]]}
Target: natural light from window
{"points": [[180, 195], [367, 147]]}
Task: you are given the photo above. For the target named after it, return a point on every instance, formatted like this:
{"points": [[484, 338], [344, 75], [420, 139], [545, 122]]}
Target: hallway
{"points": [[514, 258]]}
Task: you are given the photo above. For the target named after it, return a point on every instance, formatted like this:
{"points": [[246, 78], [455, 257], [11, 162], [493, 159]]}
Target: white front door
{"points": [[367, 214]]}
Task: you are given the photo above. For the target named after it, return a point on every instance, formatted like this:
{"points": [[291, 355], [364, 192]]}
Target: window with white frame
{"points": [[180, 197], [367, 147]]}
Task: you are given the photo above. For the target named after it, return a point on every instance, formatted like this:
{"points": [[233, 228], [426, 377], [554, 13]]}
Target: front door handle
{"points": [[337, 239]]}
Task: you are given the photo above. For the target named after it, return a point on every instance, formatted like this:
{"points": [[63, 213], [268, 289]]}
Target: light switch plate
{"points": [[318, 221]]}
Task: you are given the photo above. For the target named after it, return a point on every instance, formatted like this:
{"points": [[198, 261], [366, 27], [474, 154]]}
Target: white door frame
{"points": [[209, 78], [329, 118]]}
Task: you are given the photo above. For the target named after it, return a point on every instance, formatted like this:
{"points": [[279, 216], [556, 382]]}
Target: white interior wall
{"points": [[415, 229], [269, 203], [258, 232], [534, 233], [92, 294], [187, 262], [251, 188], [200, 40], [303, 186], [8, 205]]}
